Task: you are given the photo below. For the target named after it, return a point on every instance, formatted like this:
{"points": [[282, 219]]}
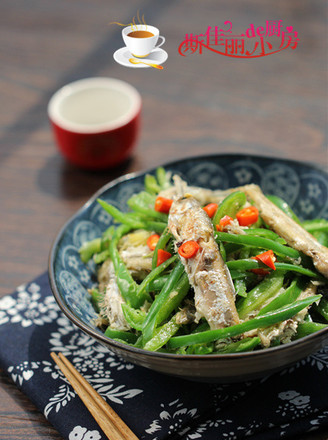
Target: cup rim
{"points": [[83, 84], [142, 27]]}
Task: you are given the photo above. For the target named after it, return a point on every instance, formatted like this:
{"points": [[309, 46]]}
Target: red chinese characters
{"points": [[254, 42]]}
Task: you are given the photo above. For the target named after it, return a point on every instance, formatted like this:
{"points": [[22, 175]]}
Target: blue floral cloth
{"points": [[156, 407]]}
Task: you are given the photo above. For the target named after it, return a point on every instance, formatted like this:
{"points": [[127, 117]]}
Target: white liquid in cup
{"points": [[94, 105]]}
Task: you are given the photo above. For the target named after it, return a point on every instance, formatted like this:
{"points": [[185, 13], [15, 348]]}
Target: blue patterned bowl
{"points": [[303, 186]]}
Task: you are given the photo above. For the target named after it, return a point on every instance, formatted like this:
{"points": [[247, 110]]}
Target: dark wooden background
{"points": [[273, 106]]}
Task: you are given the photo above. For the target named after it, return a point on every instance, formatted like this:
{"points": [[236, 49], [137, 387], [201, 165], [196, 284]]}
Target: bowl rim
{"points": [[101, 338]]}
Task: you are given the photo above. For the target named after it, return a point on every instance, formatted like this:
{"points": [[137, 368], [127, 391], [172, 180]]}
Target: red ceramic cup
{"points": [[96, 121]]}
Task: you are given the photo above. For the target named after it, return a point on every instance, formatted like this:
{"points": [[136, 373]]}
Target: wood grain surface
{"points": [[273, 106]]}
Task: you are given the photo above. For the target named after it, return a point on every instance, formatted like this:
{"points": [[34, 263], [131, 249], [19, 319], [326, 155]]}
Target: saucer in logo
{"points": [[157, 56]]}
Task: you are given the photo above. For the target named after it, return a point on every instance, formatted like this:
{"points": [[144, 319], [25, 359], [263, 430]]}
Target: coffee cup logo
{"points": [[142, 46]]}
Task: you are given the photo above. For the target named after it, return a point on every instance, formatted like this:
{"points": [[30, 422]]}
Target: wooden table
{"points": [[209, 103]]}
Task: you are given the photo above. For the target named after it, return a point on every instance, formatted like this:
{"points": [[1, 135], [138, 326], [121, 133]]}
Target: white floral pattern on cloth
{"points": [[294, 403], [26, 309], [23, 372], [59, 400], [226, 429], [89, 357], [82, 433], [210, 423], [170, 421], [221, 397], [316, 422]]}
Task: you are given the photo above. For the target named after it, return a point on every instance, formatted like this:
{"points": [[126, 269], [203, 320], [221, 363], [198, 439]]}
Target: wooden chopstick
{"points": [[112, 425]]}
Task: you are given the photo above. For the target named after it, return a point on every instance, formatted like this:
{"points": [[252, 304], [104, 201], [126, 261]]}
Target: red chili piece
{"points": [[163, 205], [268, 258], [247, 216], [162, 256], [210, 209], [152, 241], [224, 222], [188, 249]]}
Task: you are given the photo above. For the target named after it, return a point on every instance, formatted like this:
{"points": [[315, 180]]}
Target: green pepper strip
{"points": [[158, 227], [126, 284], [266, 320], [173, 301], [232, 248], [317, 224], [152, 319], [134, 317], [246, 344], [118, 334], [315, 221], [261, 232], [144, 202], [308, 317], [101, 256], [89, 248], [155, 273], [321, 237], [267, 288], [157, 284], [222, 252], [163, 335], [281, 204], [236, 275], [108, 233], [249, 278], [285, 297], [151, 184], [119, 232], [200, 349], [229, 206], [163, 178], [316, 227], [245, 252], [259, 242], [92, 247], [132, 219], [322, 308], [143, 222], [165, 304], [119, 216], [162, 242], [204, 325], [306, 328], [240, 287], [249, 264]]}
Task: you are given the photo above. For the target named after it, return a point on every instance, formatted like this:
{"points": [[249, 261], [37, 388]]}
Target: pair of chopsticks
{"points": [[111, 424]]}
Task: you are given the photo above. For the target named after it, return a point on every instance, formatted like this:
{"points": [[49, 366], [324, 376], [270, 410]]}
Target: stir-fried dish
{"points": [[188, 270]]}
